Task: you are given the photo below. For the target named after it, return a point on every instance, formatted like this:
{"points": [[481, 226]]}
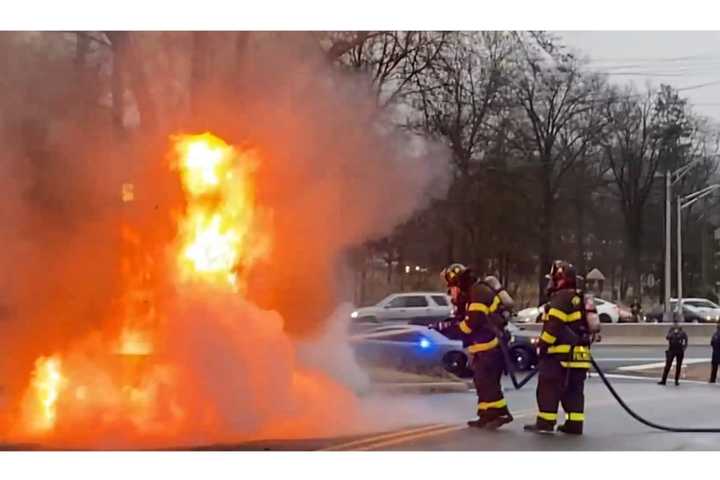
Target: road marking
{"points": [[629, 359], [383, 436], [431, 433], [650, 366], [375, 446], [653, 379]]}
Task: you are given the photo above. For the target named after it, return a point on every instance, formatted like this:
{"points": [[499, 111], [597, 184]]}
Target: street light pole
{"points": [[679, 261], [671, 178], [683, 203], [668, 245]]}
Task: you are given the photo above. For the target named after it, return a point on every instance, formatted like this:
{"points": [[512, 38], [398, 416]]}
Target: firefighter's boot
{"points": [[479, 422], [539, 428], [499, 421], [571, 428]]}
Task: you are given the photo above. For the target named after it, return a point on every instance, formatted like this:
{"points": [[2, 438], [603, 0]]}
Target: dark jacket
{"points": [[677, 339], [483, 321], [715, 342], [565, 332]]}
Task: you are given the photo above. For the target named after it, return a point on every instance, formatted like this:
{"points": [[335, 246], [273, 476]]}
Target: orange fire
{"points": [[147, 379], [219, 235], [47, 383]]}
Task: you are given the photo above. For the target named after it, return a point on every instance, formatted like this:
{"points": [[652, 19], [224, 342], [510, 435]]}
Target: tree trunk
{"points": [[199, 71], [118, 42], [82, 45], [580, 232], [546, 232]]}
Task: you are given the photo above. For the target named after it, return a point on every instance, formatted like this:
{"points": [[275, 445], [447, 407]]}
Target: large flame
{"points": [[46, 385], [220, 235]]}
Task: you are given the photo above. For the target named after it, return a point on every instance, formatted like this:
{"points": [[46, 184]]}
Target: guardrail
{"points": [[644, 333]]}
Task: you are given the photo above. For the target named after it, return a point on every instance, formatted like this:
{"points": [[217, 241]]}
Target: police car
{"points": [[417, 347]]}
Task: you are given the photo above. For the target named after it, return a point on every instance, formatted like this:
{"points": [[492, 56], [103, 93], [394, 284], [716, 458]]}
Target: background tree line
{"points": [[549, 159]]}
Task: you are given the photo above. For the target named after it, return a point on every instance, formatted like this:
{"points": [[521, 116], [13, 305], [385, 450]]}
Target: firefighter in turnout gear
{"points": [[564, 351], [481, 308]]}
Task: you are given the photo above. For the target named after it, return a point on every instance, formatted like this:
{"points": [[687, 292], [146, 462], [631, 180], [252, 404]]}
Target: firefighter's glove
{"points": [[440, 326]]}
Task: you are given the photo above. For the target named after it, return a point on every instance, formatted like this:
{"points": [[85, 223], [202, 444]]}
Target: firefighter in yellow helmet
{"points": [[480, 311], [564, 348]]}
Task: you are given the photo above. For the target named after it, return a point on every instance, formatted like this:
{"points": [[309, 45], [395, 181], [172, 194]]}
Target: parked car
{"points": [[418, 348], [607, 311], [406, 347], [695, 310], [708, 311], [420, 307]]}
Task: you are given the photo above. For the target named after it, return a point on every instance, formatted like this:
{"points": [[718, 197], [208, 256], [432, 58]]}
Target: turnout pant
{"points": [[669, 356], [558, 385], [488, 368]]}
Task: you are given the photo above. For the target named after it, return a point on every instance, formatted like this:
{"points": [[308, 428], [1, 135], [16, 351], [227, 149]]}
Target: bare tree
{"points": [[560, 104]]}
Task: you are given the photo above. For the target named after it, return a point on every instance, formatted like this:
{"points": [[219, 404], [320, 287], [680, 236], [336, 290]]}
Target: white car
{"points": [[420, 308], [705, 309], [607, 311]]}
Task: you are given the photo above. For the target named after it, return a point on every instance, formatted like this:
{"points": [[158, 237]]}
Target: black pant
{"points": [[669, 356], [713, 371], [558, 385], [487, 371]]}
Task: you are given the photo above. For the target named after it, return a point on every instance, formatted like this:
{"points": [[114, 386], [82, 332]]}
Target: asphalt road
{"points": [[611, 357], [440, 422], [436, 422], [608, 427]]}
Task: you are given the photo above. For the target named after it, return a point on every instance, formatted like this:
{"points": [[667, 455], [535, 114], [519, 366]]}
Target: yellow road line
{"points": [[440, 431], [384, 436], [417, 436]]}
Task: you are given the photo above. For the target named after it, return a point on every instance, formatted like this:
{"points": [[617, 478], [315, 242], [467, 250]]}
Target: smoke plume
{"points": [[332, 173]]}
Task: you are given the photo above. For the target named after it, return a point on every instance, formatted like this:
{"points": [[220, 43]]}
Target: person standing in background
{"points": [[677, 343], [715, 343]]}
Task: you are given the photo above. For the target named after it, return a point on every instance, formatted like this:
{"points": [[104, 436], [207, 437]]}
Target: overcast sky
{"points": [[686, 60]]}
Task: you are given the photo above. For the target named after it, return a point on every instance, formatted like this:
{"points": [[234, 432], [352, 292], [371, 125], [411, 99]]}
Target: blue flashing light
{"points": [[424, 343]]}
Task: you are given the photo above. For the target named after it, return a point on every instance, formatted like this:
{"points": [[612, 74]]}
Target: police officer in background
{"points": [[715, 343], [564, 350], [677, 343], [481, 309]]}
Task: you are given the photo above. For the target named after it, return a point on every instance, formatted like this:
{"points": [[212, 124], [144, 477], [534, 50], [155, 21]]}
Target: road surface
{"points": [[613, 357], [436, 421], [440, 423]]}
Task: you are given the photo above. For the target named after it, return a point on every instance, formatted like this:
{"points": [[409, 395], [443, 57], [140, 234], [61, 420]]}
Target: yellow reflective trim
{"points": [[559, 349], [488, 405], [575, 417], [478, 307], [547, 338], [547, 416], [566, 349], [575, 364], [565, 317], [481, 307], [495, 304], [481, 347], [464, 327]]}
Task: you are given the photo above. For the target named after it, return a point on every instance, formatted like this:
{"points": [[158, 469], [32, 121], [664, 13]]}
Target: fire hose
{"points": [[510, 366], [519, 384], [641, 419]]}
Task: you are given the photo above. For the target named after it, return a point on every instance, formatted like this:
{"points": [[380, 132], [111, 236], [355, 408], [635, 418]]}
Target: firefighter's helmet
{"points": [[454, 273], [562, 275]]}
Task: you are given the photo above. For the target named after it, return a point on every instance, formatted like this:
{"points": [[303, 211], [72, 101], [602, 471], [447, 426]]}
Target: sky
{"points": [[688, 60]]}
